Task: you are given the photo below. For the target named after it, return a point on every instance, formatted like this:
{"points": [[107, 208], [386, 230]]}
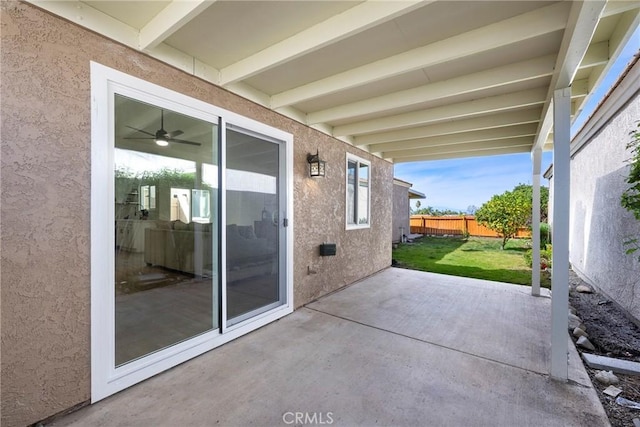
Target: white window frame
{"points": [[145, 200], [359, 161], [106, 379]]}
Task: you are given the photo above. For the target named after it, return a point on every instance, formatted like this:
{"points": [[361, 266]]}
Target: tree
{"points": [[431, 211], [506, 213], [630, 199], [472, 209], [544, 199]]}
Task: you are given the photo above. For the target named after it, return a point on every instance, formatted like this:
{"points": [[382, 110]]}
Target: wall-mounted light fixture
{"points": [[316, 166]]}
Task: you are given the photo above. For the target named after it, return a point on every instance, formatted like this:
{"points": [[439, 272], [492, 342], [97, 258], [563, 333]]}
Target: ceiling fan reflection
{"points": [[162, 137]]}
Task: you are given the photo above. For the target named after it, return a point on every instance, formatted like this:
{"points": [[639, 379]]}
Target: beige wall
{"points": [[400, 211], [599, 224], [46, 196]]}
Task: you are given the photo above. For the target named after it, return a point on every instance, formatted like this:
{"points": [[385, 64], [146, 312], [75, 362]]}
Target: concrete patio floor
{"points": [[401, 348]]}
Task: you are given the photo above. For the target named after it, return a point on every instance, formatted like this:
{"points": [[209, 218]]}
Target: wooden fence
{"points": [[454, 226]]}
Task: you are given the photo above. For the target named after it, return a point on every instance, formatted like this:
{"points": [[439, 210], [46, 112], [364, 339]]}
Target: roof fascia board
{"points": [[522, 27], [348, 23], [495, 77]]}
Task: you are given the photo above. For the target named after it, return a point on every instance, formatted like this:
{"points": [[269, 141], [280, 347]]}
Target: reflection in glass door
{"points": [[253, 226], [166, 245]]}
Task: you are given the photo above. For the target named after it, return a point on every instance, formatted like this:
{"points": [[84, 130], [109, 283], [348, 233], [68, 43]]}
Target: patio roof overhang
{"points": [[406, 80]]}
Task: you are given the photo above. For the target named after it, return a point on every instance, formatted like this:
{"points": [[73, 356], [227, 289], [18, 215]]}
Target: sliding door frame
{"points": [[284, 296], [106, 379]]}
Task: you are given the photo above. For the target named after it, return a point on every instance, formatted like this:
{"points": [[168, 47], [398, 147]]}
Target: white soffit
{"points": [[407, 80]]}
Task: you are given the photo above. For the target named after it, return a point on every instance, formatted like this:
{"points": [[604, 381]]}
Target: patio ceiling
{"points": [[406, 80]]}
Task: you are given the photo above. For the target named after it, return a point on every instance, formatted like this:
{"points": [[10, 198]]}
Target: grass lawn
{"points": [[477, 257]]}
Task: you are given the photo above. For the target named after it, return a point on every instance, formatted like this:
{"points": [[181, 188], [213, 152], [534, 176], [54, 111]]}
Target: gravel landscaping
{"points": [[613, 334]]}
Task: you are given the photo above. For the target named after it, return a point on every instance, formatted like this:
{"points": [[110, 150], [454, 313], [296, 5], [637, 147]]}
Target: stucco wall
{"points": [[400, 211], [599, 224], [46, 196]]}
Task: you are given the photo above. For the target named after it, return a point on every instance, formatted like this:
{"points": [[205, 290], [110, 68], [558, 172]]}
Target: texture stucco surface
{"points": [[599, 224], [46, 145], [400, 212]]}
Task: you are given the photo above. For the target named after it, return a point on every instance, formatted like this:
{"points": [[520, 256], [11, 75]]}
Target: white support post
{"points": [[561, 207], [536, 158]]}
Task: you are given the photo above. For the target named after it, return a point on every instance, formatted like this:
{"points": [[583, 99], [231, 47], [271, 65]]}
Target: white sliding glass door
{"points": [[254, 226], [166, 269], [190, 246]]}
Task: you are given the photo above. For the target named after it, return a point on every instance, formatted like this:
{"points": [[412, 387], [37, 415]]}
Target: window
{"points": [[180, 205], [358, 194], [201, 206], [147, 197]]}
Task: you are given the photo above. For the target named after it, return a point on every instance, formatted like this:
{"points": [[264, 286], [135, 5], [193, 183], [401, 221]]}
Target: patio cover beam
{"points": [[519, 28], [346, 24], [483, 80], [506, 143], [477, 107], [169, 20], [583, 20], [596, 54], [464, 154], [513, 118], [506, 132]]}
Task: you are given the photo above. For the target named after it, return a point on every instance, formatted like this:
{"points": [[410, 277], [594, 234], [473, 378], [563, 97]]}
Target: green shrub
{"points": [[630, 199], [545, 235], [545, 257]]}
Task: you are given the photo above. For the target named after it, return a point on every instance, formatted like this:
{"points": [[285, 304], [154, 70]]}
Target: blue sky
{"points": [[459, 183]]}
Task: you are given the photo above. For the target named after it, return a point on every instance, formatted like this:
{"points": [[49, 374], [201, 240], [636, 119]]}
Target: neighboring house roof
{"points": [[398, 181], [413, 194], [406, 80]]}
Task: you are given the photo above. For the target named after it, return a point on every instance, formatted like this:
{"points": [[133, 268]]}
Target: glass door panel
{"points": [[253, 226], [166, 226]]}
